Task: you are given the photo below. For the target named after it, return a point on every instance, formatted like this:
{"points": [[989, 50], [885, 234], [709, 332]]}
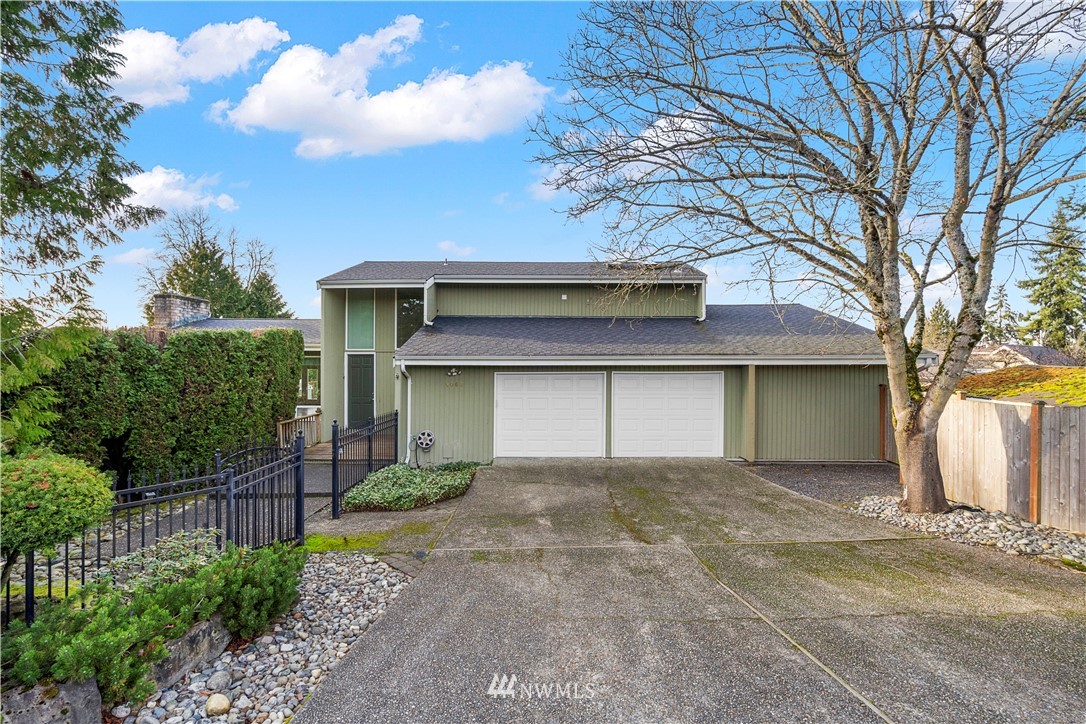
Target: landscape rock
{"points": [[974, 526], [204, 642], [340, 596], [217, 704], [74, 702]]}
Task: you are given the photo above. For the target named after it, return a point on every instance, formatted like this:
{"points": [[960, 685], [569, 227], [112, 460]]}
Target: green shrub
{"points": [[129, 404], [401, 487], [120, 634], [259, 585], [170, 560], [48, 499]]}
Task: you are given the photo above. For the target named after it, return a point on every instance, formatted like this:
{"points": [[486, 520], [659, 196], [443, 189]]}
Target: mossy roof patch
{"points": [[1054, 385]]}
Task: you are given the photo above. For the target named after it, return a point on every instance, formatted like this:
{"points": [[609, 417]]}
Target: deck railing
{"points": [[308, 425]]}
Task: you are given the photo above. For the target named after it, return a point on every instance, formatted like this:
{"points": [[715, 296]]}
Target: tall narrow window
{"points": [[309, 386], [359, 319], [408, 314]]}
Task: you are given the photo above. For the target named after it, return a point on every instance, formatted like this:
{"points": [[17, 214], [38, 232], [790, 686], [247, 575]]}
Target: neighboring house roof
{"points": [[743, 330], [310, 328], [1042, 355], [417, 272]]}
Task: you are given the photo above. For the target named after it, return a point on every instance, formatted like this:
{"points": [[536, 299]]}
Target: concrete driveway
{"points": [[653, 590]]}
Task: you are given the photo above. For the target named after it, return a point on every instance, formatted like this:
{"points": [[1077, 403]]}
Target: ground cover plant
{"points": [[401, 487], [116, 633]]}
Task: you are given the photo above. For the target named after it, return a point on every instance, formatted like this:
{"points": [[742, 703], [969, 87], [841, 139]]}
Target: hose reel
{"points": [[424, 440]]}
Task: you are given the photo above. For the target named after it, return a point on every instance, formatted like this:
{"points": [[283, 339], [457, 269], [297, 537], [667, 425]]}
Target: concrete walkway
{"points": [[694, 590]]}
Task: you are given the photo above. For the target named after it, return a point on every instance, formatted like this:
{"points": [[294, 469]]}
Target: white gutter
{"points": [[427, 318], [596, 360], [407, 421], [507, 279]]}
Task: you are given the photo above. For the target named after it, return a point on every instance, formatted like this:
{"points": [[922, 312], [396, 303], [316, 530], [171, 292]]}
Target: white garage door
{"points": [[548, 415], [667, 414]]}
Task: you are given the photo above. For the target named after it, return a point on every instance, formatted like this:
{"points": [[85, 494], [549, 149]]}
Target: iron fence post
{"points": [[335, 469], [369, 448], [218, 461], [299, 488], [230, 504], [28, 611]]}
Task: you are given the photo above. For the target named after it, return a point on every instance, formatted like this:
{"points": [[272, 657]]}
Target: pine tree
{"points": [[1058, 291], [1001, 324], [200, 260], [63, 190], [938, 327]]}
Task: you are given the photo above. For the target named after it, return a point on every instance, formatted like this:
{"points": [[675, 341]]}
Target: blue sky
{"points": [[413, 145], [403, 197]]}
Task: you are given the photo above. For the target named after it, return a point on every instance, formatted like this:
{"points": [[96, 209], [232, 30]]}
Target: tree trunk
{"points": [[918, 456]]}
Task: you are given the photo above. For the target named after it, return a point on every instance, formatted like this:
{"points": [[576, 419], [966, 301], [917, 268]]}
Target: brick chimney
{"points": [[176, 310]]}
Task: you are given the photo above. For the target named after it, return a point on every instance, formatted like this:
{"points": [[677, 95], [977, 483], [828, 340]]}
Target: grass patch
{"points": [[317, 543], [400, 487], [1058, 385]]}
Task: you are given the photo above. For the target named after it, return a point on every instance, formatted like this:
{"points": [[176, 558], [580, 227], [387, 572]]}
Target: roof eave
{"points": [[636, 360]]}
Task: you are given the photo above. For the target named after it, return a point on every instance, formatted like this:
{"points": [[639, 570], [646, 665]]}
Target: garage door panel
{"points": [[548, 415], [671, 414]]}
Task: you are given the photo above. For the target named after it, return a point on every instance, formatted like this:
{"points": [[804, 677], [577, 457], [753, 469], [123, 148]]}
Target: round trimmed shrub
{"points": [[48, 499]]}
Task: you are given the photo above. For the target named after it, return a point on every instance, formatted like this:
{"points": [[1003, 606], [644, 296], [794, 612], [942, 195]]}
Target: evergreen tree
{"points": [[1001, 324], [264, 298], [938, 327], [1058, 289], [198, 259], [63, 192]]}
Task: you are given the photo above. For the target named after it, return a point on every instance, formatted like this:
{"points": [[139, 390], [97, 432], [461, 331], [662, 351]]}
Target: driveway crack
{"points": [[795, 644]]}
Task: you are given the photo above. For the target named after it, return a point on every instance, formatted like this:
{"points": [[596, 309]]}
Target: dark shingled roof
{"points": [[1043, 356], [420, 271], [742, 330], [310, 328]]}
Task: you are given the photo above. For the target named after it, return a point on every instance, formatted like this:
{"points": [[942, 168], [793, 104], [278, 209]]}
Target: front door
{"points": [[359, 389]]}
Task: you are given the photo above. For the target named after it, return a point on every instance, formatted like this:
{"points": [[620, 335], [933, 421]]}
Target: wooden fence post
{"points": [[882, 423], [1035, 461]]}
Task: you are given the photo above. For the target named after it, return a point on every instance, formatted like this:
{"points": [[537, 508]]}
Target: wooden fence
{"points": [[309, 426], [1021, 458]]}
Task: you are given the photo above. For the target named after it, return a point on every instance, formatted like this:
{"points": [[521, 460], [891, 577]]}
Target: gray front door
{"points": [[359, 389]]}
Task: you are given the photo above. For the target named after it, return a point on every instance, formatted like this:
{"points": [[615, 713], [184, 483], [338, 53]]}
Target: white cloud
{"points": [[315, 301], [137, 256], [170, 189], [454, 249], [540, 190], [158, 67], [501, 199], [326, 99]]}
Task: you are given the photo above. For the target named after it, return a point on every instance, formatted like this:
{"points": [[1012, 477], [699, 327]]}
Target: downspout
{"points": [[407, 447]]}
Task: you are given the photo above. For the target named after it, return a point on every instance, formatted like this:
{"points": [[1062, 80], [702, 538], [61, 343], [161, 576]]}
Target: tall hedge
{"points": [[128, 404]]}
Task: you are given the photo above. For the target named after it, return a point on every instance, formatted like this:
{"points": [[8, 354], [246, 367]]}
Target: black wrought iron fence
{"points": [[255, 497], [358, 451]]}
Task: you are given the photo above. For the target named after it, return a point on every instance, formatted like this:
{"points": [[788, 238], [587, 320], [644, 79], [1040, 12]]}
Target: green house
{"points": [[587, 359]]}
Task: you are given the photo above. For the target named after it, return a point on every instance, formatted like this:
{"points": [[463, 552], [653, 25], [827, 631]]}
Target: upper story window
{"points": [[360, 319], [409, 314]]}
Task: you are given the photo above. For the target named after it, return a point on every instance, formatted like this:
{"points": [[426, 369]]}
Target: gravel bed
{"points": [[832, 482], [1003, 531], [341, 595]]}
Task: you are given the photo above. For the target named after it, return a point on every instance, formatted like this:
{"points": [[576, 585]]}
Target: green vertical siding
{"points": [[733, 412], [333, 306], [582, 300], [459, 410], [802, 413], [429, 297], [818, 413]]}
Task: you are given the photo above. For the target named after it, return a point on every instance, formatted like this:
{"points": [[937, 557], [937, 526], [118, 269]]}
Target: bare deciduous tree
{"points": [[874, 149]]}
